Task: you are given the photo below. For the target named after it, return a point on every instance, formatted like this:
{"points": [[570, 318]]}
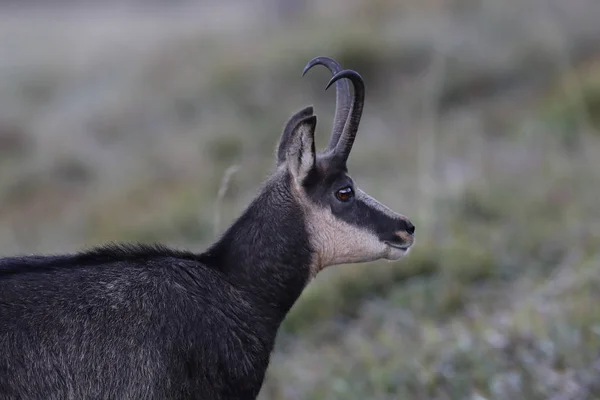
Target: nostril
{"points": [[410, 228]]}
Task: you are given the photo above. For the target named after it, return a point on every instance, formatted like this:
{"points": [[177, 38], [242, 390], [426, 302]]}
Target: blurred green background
{"points": [[127, 120]]}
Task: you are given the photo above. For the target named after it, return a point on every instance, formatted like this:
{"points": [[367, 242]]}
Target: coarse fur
{"points": [[141, 322], [150, 322]]}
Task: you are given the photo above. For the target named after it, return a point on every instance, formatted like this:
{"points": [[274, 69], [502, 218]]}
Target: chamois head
{"points": [[344, 224]]}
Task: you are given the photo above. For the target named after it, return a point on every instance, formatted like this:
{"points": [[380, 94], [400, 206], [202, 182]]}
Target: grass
{"points": [[477, 129]]}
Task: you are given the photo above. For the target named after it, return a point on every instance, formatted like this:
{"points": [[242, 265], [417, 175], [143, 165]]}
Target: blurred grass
{"points": [[481, 124]]}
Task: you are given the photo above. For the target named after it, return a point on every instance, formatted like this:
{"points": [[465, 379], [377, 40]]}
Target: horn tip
{"points": [[331, 82], [328, 62], [346, 73], [310, 64], [306, 68]]}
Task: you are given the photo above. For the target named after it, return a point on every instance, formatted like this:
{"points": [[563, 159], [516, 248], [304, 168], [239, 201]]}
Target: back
{"points": [[112, 327]]}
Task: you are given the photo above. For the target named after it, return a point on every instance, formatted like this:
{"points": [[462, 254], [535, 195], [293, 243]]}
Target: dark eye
{"points": [[345, 194]]}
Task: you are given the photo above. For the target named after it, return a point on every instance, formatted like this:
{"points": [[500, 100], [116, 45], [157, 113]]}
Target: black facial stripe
{"points": [[321, 186], [364, 216]]}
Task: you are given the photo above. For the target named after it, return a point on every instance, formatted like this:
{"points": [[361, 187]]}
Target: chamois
{"points": [[149, 322]]}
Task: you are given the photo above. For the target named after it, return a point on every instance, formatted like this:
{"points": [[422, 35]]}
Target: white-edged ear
{"points": [[300, 153], [288, 131]]}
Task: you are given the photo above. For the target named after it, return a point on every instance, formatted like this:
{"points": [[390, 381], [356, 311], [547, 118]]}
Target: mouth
{"points": [[403, 247]]}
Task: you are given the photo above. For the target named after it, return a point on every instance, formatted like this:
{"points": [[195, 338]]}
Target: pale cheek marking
{"points": [[337, 242]]}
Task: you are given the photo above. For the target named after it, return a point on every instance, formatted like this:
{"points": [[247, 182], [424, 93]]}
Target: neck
{"points": [[266, 252]]}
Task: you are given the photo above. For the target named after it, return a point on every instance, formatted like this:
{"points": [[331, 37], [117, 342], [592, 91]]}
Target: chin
{"points": [[395, 253]]}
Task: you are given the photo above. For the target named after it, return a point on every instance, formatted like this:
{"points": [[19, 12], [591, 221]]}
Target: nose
{"points": [[410, 228]]}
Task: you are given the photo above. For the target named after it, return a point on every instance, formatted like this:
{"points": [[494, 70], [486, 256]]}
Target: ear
{"points": [[287, 132], [300, 154]]}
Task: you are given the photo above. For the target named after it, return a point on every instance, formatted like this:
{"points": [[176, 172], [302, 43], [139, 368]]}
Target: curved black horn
{"points": [[344, 145], [342, 101]]}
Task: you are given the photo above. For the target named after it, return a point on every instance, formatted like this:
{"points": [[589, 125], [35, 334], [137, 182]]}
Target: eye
{"points": [[345, 194]]}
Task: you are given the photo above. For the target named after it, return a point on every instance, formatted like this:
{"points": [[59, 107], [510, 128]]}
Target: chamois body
{"points": [[148, 322], [153, 323]]}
